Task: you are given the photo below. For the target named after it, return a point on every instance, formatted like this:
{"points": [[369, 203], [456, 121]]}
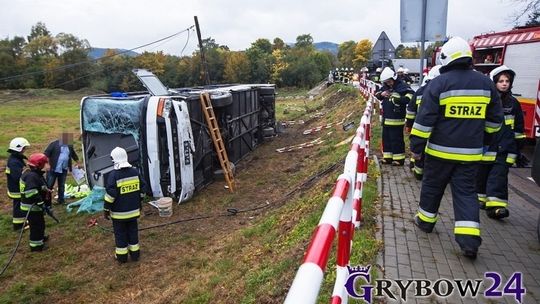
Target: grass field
{"points": [[248, 258]]}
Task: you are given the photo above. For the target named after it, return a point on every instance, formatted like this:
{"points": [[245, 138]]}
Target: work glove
{"points": [[106, 215], [408, 130]]}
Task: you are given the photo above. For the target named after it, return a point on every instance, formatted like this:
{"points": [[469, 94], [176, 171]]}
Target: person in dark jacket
{"points": [[500, 155], [457, 108], [14, 169], [124, 190], [395, 95], [35, 197], [60, 153], [417, 166]]}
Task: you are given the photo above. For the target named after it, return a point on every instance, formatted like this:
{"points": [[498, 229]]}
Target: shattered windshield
{"points": [[108, 115]]}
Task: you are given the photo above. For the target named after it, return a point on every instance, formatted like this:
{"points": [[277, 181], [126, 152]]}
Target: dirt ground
{"points": [[195, 260]]}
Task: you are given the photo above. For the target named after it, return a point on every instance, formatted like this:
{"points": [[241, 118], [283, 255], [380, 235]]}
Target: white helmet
{"points": [[406, 71], [120, 158], [502, 68], [400, 70], [378, 70], [386, 74], [453, 49], [434, 72], [18, 144]]}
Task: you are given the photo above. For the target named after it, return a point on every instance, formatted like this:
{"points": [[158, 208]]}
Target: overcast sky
{"points": [[236, 23]]}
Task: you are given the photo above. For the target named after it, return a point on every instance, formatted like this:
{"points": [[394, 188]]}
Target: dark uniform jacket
{"points": [[394, 105], [457, 108], [509, 138], [33, 190], [14, 169], [53, 152], [123, 197], [412, 106]]}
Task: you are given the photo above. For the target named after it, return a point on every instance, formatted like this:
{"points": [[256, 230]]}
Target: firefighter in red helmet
{"points": [[35, 197]]}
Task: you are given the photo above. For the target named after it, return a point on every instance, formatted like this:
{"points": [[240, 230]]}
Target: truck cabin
{"points": [[485, 60]]}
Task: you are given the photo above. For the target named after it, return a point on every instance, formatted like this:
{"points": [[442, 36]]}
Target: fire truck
{"points": [[519, 49]]}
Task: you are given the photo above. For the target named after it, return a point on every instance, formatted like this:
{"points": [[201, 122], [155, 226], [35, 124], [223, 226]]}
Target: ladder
{"points": [[213, 128]]}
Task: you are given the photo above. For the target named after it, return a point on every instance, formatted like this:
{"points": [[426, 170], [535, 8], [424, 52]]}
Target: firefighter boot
{"points": [[497, 213], [411, 163], [482, 205], [121, 258], [426, 227], [400, 162], [469, 253], [386, 161], [135, 255], [38, 248]]}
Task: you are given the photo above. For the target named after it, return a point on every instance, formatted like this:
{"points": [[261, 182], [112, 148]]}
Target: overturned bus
{"points": [[165, 133]]}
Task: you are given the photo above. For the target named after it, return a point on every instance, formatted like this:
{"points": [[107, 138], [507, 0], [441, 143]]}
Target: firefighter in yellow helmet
{"points": [[457, 108], [14, 169], [124, 189]]}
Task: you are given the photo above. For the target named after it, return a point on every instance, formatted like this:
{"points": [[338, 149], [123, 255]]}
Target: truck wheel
{"points": [[220, 101], [267, 91]]}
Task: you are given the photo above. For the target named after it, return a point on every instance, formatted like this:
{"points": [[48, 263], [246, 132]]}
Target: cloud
{"points": [[127, 24]]}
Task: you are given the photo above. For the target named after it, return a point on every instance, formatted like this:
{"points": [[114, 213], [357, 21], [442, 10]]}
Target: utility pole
{"points": [[423, 39], [203, 59]]}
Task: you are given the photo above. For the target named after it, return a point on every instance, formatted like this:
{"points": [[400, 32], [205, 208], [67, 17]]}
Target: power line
{"points": [[93, 60]]}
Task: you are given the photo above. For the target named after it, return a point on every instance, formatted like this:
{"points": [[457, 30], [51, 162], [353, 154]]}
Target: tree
{"points": [[73, 51], [534, 19], [407, 52], [346, 53], [263, 45], [362, 53], [304, 41], [154, 62], [12, 61], [38, 30], [278, 66], [236, 67], [530, 8], [260, 60], [278, 44]]}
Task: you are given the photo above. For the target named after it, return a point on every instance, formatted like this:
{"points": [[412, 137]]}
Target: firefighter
{"points": [[457, 108], [124, 189], [376, 77], [395, 95], [406, 77], [492, 181], [35, 197], [412, 107], [399, 73], [14, 169]]}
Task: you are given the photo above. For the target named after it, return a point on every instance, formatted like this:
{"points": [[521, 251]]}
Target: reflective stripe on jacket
{"points": [[123, 190], [457, 108]]}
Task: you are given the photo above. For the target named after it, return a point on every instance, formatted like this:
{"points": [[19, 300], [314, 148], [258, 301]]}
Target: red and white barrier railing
{"points": [[343, 212]]}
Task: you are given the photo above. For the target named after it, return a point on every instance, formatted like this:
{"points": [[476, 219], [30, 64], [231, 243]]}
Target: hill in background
{"points": [[100, 52], [327, 46]]}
